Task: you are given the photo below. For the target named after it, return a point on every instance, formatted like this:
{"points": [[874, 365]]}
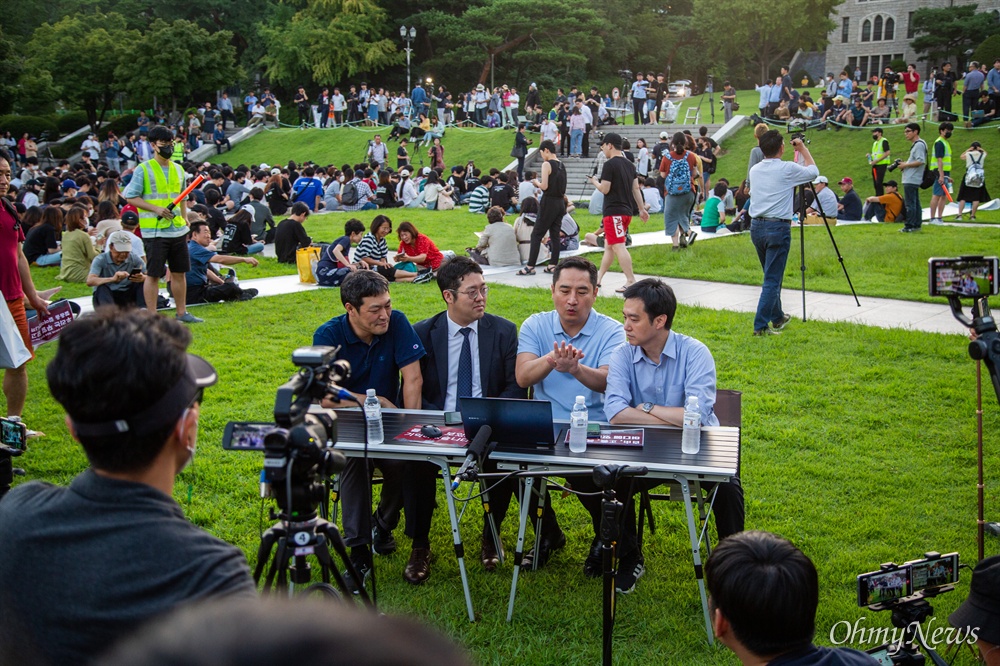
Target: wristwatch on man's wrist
{"points": [[647, 407]]}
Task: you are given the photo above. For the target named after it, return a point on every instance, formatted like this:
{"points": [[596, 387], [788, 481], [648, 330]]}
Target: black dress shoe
{"points": [[548, 547], [383, 542], [490, 556], [419, 567]]}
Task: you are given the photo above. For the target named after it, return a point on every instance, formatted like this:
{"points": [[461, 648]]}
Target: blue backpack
{"points": [[678, 179]]}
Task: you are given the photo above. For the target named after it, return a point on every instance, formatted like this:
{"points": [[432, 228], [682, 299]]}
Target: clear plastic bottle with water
{"points": [[578, 426], [691, 436], [795, 219], [373, 418]]}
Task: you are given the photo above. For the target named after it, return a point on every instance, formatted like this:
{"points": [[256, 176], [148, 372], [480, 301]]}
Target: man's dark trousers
{"points": [[133, 296], [911, 197]]}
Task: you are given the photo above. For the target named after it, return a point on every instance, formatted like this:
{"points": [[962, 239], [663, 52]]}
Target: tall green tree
{"points": [[327, 40], [767, 34], [80, 54], [948, 33], [173, 61], [556, 36], [11, 66]]}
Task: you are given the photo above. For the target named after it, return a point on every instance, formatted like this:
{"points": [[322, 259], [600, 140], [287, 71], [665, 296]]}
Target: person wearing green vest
{"points": [[178, 155], [879, 159], [154, 185], [941, 163]]}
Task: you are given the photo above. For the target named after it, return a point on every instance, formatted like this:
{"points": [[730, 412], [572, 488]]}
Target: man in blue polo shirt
{"points": [[380, 344], [565, 353]]}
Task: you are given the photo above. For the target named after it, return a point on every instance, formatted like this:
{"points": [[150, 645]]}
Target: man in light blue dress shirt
{"points": [[648, 381], [564, 353]]}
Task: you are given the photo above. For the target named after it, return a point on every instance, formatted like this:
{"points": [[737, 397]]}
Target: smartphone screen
{"points": [[245, 436], [881, 586], [13, 434], [925, 574], [453, 418], [965, 277]]}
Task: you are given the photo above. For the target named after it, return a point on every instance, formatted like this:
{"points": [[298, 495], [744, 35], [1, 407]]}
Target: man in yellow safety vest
{"points": [[155, 184], [879, 159]]}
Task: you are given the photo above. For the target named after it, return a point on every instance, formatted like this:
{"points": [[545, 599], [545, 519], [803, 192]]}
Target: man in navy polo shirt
{"points": [[380, 344]]}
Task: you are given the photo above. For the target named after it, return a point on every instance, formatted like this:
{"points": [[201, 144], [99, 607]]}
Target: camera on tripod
{"points": [[895, 165], [298, 445]]}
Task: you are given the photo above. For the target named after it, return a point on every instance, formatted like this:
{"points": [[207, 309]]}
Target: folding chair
{"points": [[729, 410]]}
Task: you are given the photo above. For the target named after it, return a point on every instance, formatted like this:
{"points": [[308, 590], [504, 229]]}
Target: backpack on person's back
{"points": [[349, 195], [678, 180], [975, 175]]}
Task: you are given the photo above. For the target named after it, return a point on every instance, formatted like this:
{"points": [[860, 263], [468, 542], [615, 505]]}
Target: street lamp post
{"points": [[408, 35]]}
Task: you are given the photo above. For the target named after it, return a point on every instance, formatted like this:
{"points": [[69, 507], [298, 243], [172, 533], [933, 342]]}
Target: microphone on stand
{"points": [[477, 455]]}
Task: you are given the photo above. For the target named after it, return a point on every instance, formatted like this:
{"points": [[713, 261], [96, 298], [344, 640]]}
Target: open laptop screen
{"points": [[516, 423]]}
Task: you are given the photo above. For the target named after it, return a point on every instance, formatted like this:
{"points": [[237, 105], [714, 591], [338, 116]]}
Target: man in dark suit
{"points": [[469, 353]]}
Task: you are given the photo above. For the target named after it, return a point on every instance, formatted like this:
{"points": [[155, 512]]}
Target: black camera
{"points": [[298, 446], [800, 136], [894, 165], [891, 78]]}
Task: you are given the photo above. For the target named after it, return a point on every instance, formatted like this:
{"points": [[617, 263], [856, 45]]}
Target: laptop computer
{"points": [[516, 423]]}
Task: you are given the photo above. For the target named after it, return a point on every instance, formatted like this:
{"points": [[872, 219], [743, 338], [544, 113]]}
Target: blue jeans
{"points": [[911, 197], [49, 259], [576, 142], [772, 240], [255, 248]]}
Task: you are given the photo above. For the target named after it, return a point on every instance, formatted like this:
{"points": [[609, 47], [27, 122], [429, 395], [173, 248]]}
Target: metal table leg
{"points": [[456, 535], [696, 554]]}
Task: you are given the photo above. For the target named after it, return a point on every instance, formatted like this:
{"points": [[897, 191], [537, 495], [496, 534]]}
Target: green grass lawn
{"points": [[348, 145], [878, 465]]}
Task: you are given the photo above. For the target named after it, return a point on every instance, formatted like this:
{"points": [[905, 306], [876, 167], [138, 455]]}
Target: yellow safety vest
{"points": [[178, 155], [159, 191], [877, 150], [946, 160]]}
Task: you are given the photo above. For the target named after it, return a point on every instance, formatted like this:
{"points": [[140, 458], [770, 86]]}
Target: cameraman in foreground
{"points": [[84, 565], [763, 594]]}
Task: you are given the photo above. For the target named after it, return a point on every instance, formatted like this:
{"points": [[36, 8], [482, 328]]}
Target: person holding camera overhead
{"points": [[774, 183], [85, 565]]}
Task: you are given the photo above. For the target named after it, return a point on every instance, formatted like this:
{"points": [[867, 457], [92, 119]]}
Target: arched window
{"points": [[878, 29], [890, 30], [866, 31]]}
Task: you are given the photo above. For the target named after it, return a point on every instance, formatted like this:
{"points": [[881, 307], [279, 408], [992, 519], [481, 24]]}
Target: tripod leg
{"points": [[543, 494], [519, 548], [491, 521], [263, 553], [333, 538], [610, 511]]}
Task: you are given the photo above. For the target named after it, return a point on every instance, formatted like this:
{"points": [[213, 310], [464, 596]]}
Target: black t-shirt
{"points": [[39, 240], [277, 199], [621, 174], [500, 195], [658, 151], [288, 237], [216, 220], [236, 238]]}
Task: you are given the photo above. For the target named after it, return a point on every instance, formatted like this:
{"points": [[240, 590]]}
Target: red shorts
{"points": [[615, 228], [16, 308]]}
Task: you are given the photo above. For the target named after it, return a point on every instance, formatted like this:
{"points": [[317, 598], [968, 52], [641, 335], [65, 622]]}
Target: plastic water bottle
{"points": [[795, 219], [373, 416], [691, 437], [578, 426]]}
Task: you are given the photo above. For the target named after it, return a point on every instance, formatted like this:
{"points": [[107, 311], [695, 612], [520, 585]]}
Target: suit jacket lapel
{"points": [[439, 341], [486, 360]]}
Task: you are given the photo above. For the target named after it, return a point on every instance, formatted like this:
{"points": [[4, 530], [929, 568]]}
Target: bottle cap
{"points": [[580, 398], [371, 393]]}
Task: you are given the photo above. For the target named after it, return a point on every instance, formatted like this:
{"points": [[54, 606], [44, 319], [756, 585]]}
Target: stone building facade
{"points": [[872, 33]]}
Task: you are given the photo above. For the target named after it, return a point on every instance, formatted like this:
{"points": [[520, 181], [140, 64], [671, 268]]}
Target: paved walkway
{"points": [[881, 312]]}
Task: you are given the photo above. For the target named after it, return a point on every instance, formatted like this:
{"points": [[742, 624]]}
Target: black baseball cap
{"points": [[614, 139]]}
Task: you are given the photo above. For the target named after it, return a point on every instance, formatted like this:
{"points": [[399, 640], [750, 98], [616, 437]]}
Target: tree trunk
{"points": [[506, 46]]}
